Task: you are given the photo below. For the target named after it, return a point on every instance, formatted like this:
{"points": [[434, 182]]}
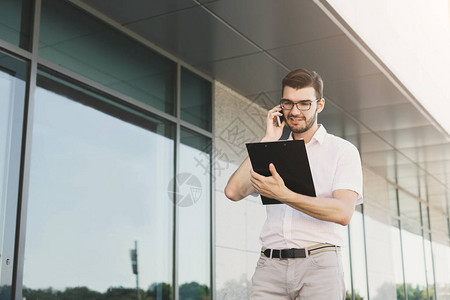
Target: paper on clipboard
{"points": [[291, 161]]}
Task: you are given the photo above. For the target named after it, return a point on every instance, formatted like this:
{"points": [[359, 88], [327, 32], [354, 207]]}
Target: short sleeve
{"points": [[348, 174]]}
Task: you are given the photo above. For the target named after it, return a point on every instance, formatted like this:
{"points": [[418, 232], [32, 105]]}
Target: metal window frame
{"points": [[35, 63], [14, 50], [352, 288], [212, 190], [430, 236], [176, 249], [365, 249]]}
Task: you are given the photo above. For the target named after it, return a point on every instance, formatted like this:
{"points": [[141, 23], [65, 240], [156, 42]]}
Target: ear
{"points": [[321, 105]]}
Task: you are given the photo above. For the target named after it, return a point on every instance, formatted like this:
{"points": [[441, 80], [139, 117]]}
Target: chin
{"points": [[297, 129]]}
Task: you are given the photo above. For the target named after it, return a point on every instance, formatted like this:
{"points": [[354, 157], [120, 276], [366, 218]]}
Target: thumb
{"points": [[273, 171]]}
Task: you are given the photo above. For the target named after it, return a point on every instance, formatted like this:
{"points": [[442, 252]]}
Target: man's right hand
{"points": [[273, 132], [239, 185]]}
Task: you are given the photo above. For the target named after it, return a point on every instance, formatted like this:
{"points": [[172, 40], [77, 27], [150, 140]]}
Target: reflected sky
{"points": [[194, 221], [6, 84], [97, 184], [358, 254], [413, 257], [12, 95]]}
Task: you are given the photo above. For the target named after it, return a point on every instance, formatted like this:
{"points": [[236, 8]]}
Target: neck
{"points": [[307, 135]]}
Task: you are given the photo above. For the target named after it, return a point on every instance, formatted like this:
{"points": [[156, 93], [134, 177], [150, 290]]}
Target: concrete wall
{"points": [[238, 120]]}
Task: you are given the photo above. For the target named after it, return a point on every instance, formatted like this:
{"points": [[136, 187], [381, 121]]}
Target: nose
{"points": [[295, 111]]}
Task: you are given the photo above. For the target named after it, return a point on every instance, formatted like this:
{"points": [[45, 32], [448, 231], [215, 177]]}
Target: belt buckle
{"points": [[304, 253]]}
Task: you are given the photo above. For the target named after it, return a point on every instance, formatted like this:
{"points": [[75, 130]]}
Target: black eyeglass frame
{"points": [[297, 103]]}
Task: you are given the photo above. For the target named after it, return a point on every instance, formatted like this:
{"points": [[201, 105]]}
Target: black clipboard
{"points": [[290, 160]]}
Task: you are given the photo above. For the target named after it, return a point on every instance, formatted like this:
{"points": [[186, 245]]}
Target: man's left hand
{"points": [[271, 186]]}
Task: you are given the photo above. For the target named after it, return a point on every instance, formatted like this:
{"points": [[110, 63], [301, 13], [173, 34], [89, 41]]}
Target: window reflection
{"points": [[12, 97], [74, 39], [357, 246], [193, 209], [442, 262], [346, 267], [97, 185], [429, 266], [397, 259], [381, 262], [413, 256], [196, 99], [15, 22]]}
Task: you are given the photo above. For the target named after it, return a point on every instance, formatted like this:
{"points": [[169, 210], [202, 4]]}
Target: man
{"points": [[302, 237]]}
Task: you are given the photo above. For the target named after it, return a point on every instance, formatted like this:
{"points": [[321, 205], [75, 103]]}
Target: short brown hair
{"points": [[302, 78]]}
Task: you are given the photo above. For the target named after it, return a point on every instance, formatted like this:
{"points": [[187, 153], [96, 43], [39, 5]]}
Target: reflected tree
{"points": [[414, 293], [40, 294], [5, 292], [348, 296], [235, 289], [194, 291], [156, 291], [121, 293], [159, 291], [79, 293]]}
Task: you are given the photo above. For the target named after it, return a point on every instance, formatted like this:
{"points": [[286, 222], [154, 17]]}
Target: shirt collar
{"points": [[318, 136]]}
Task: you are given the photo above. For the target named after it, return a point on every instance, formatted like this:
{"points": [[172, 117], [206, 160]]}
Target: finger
{"points": [[273, 170], [255, 186], [253, 180], [275, 109], [257, 176]]}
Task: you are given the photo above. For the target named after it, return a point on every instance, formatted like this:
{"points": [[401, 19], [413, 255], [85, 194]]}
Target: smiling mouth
{"points": [[296, 120]]}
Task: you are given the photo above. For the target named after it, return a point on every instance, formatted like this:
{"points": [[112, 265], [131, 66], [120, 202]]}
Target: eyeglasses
{"points": [[302, 105]]}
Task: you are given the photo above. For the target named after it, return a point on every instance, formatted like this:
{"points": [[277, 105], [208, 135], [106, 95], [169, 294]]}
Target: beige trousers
{"points": [[319, 276]]}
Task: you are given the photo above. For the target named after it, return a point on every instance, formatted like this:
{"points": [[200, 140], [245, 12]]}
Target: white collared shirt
{"points": [[335, 164]]}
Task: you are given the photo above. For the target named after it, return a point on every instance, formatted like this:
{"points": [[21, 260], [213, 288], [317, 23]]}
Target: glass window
{"points": [[358, 256], [441, 254], [429, 266], [380, 259], [12, 98], [346, 266], [408, 177], [439, 225], [393, 201], [414, 264], [409, 209], [397, 259], [15, 22], [425, 216], [196, 100], [79, 42], [194, 222], [97, 190]]}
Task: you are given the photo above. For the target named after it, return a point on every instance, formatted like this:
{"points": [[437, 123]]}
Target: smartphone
{"points": [[280, 119]]}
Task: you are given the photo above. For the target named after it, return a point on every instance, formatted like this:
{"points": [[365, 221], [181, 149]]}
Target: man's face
{"points": [[301, 121]]}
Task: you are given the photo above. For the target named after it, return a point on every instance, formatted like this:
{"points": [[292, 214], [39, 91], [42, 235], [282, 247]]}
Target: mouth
{"points": [[296, 120]]}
